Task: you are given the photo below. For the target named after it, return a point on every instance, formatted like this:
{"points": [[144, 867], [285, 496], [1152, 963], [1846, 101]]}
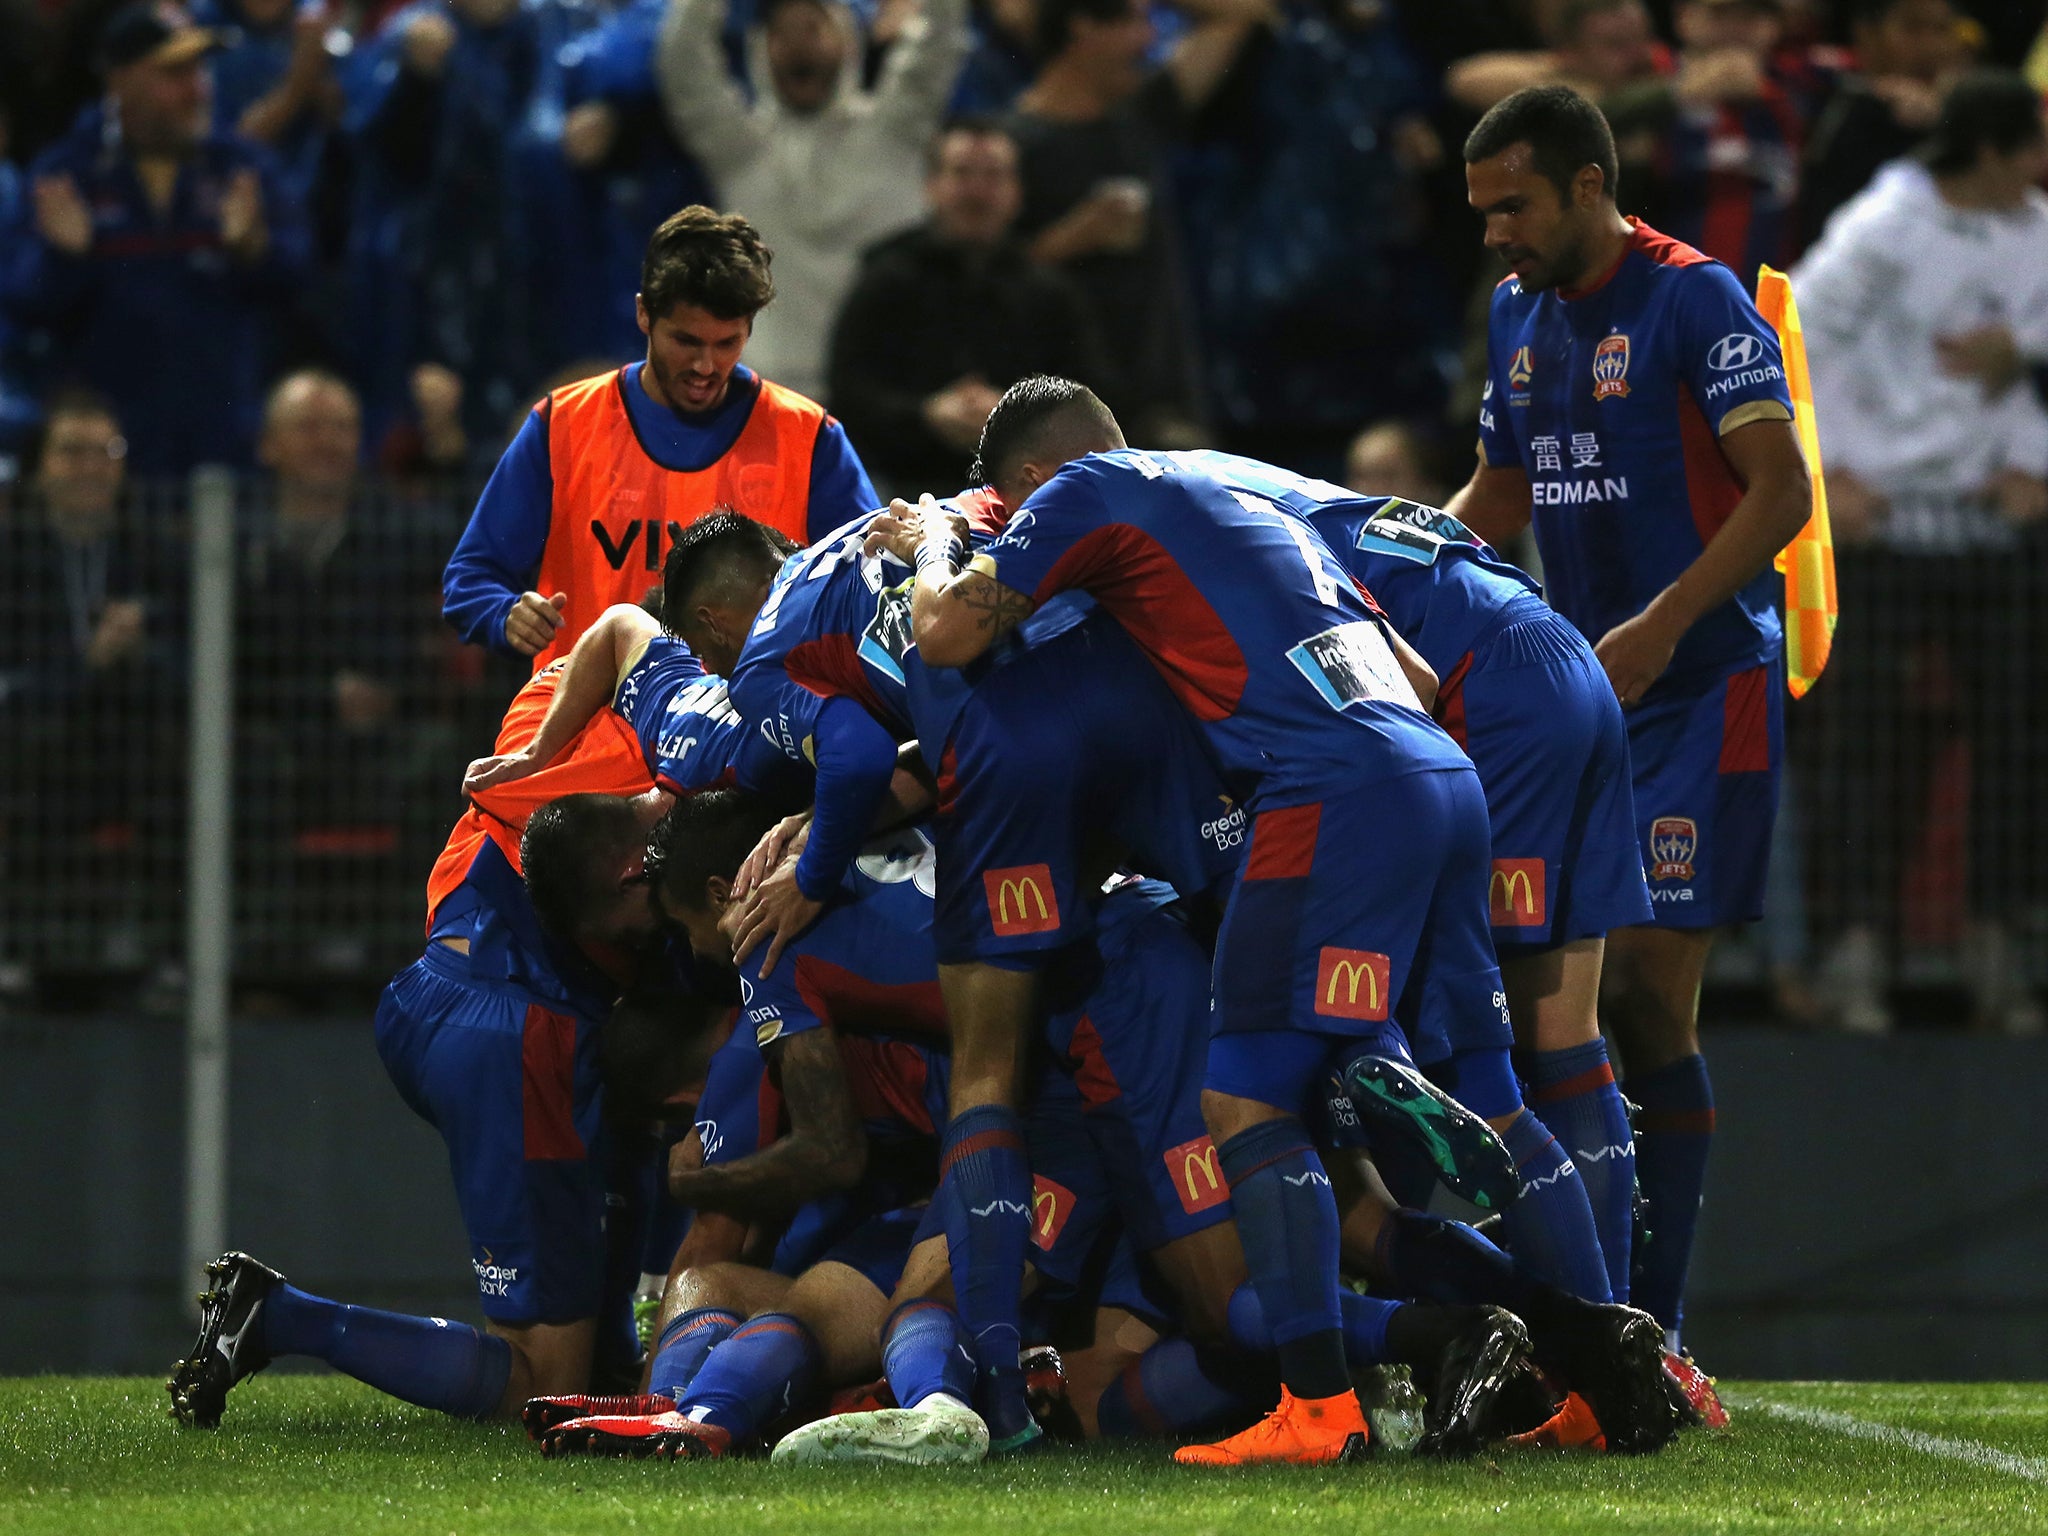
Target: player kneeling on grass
{"points": [[467, 1033]]}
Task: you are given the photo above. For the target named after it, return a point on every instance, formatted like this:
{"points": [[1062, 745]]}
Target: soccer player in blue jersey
{"points": [[1636, 409], [1368, 840], [1522, 693]]}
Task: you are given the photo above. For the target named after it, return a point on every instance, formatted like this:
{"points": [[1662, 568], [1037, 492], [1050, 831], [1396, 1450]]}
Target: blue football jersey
{"points": [[691, 735], [1613, 402], [1210, 564], [1440, 585]]}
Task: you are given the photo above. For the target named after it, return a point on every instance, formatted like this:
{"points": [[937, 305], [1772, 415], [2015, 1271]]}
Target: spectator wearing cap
{"points": [[159, 253], [944, 317], [820, 165]]}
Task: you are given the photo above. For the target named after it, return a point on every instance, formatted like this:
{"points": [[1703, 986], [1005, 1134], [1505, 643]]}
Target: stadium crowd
{"points": [[370, 236]]}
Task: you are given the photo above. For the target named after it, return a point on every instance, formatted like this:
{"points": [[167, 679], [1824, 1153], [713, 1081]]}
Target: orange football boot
{"points": [[1304, 1431], [1570, 1428]]}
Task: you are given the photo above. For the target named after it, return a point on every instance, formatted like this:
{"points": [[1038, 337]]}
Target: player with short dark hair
{"points": [[1636, 408], [605, 470], [1311, 706]]}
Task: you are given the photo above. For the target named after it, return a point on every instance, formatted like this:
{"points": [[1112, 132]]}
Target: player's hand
{"points": [[1988, 354], [784, 840], [1635, 653], [531, 624], [489, 772], [893, 531], [62, 217], [2021, 498], [777, 911]]}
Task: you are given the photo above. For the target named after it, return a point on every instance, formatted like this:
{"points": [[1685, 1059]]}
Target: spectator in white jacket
{"points": [[1925, 307], [822, 167]]}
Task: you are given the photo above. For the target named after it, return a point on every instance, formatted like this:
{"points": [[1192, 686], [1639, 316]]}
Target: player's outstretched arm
{"points": [[1494, 503], [825, 1150], [588, 681], [1776, 502]]}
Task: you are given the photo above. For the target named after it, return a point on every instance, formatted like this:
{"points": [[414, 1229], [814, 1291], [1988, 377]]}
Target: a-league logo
{"points": [[1197, 1175], [1517, 894], [1021, 900], [1051, 1204], [1673, 841], [1352, 984]]}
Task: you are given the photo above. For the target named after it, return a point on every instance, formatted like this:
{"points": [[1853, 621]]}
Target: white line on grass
{"points": [[1975, 1453]]}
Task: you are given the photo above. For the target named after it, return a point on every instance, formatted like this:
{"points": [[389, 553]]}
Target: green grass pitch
{"points": [[320, 1454]]}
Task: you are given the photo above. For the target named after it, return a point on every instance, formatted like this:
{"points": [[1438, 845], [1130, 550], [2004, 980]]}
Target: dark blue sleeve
{"points": [[38, 282], [840, 488], [289, 255], [499, 553], [856, 759]]}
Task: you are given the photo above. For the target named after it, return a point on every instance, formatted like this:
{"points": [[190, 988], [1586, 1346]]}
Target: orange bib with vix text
{"points": [[615, 510]]}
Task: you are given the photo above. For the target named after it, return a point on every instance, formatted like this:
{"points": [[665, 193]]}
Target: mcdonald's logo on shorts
{"points": [[1197, 1175], [1516, 896], [1051, 1204], [1352, 984], [1021, 900]]}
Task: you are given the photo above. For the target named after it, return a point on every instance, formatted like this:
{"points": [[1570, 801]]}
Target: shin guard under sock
{"points": [[423, 1360], [1674, 1132], [1550, 1226], [1288, 1217], [754, 1375], [1575, 1091], [985, 1175], [680, 1351]]}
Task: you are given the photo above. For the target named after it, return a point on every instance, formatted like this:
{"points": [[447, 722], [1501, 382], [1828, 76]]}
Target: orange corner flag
{"points": [[1808, 562]]}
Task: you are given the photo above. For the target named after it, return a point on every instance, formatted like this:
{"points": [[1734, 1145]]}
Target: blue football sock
{"points": [[986, 1175], [1176, 1389], [1365, 1324], [1551, 1226], [758, 1372], [424, 1360], [680, 1351], [1673, 1134], [1288, 1218], [924, 1351], [1576, 1092]]}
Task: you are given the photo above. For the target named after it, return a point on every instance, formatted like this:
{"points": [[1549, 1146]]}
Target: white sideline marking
{"points": [[1973, 1452]]}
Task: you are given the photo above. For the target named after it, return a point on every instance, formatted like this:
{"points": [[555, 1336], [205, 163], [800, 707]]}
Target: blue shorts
{"points": [[880, 1246], [1542, 726], [1707, 763], [1135, 1055], [512, 1084], [1364, 907], [1062, 754]]}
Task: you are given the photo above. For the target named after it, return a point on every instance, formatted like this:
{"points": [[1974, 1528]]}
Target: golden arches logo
{"points": [[1352, 984], [1021, 900], [1515, 894]]}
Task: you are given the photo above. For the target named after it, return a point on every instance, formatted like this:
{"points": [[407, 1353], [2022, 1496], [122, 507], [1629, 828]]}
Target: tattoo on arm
{"points": [[826, 1149], [997, 609]]}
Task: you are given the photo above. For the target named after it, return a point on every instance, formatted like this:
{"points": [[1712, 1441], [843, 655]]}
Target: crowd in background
{"points": [[343, 248]]}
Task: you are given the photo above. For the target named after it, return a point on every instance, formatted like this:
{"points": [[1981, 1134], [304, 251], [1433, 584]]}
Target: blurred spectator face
{"points": [[1610, 47], [165, 108], [2006, 177], [314, 434], [974, 188], [1914, 38], [806, 51], [485, 14], [82, 467], [264, 14], [692, 353], [1112, 50], [1720, 26], [1387, 460], [1542, 235], [1016, 19]]}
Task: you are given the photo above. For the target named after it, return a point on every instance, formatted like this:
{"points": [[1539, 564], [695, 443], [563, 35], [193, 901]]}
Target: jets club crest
{"points": [[1610, 367], [1673, 840]]}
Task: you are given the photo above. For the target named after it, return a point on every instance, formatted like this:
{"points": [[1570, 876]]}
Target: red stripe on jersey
{"points": [[1372, 603], [829, 666], [949, 781], [983, 509], [846, 999], [1144, 589], [1664, 250], [1450, 700], [1284, 843], [1092, 1075], [1711, 488], [887, 1079], [1746, 723], [547, 1058]]}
